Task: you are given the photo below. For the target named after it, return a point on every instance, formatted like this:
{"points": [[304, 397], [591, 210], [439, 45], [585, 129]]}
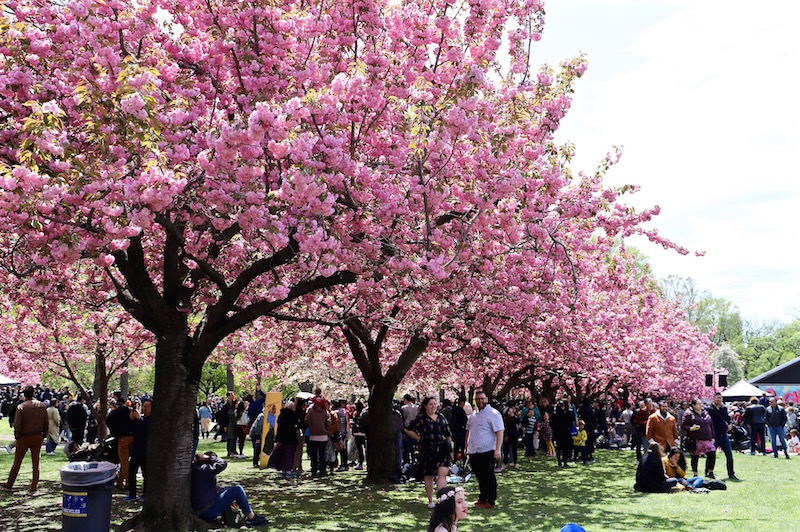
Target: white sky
{"points": [[702, 95]]}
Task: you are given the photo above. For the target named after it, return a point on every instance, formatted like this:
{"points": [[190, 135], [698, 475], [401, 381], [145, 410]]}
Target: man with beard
{"points": [[484, 445], [662, 427]]}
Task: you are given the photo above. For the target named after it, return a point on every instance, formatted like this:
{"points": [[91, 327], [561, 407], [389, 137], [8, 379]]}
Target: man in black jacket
{"points": [[76, 419], [722, 423], [459, 426], [755, 417], [121, 427], [776, 420]]}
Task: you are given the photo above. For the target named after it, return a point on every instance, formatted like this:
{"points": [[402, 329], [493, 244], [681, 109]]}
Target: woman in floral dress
{"points": [[432, 433]]}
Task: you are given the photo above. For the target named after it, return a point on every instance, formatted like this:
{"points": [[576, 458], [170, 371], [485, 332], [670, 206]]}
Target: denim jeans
{"points": [[723, 442], [529, 450], [694, 482], [224, 500], [774, 434], [51, 445], [408, 449]]}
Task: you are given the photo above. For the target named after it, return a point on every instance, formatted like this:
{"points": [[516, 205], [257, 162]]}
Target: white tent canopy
{"points": [[7, 381], [742, 389]]}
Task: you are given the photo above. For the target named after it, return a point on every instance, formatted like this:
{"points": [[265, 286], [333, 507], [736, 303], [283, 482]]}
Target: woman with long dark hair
{"points": [[451, 505], [675, 467], [282, 455], [433, 434], [700, 437], [650, 475]]}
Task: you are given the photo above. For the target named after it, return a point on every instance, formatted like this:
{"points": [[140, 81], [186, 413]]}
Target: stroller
{"points": [[105, 451], [739, 439]]}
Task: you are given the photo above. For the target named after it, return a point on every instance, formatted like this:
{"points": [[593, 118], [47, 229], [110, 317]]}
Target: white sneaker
{"points": [[51, 453]]}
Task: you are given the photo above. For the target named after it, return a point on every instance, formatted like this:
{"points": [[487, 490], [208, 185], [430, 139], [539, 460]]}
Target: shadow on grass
{"points": [[538, 496]]}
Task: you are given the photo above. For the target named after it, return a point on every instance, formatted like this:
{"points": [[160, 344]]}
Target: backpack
{"points": [[363, 421], [715, 484], [233, 516]]}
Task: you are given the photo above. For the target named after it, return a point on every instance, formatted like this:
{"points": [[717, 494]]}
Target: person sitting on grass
{"points": [[209, 500], [675, 467], [650, 476], [451, 505]]}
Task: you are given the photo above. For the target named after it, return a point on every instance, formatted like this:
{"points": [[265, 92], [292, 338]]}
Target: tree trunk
{"points": [[230, 379], [381, 435], [101, 393], [102, 413], [167, 503], [123, 381]]}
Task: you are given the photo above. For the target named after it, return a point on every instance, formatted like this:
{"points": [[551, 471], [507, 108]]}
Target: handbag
{"points": [[689, 445]]}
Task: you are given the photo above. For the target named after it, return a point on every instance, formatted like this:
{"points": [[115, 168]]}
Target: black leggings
{"points": [[711, 459]]}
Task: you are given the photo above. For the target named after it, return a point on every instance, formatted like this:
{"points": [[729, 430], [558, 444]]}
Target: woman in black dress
{"points": [[433, 434]]}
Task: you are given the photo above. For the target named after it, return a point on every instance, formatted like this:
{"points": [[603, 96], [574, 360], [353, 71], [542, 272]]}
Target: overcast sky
{"points": [[703, 97]]}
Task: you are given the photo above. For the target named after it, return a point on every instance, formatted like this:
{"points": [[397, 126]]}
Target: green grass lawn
{"points": [[538, 496]]}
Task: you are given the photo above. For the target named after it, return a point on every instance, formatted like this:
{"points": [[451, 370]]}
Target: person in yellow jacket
{"points": [[579, 443], [675, 467]]}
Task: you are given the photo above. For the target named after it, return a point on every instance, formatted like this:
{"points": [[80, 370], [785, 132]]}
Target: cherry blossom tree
{"points": [[227, 161], [617, 331], [67, 327], [220, 160]]}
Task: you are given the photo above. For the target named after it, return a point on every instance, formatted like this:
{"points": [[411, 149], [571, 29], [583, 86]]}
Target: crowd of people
{"points": [[433, 440], [699, 430]]}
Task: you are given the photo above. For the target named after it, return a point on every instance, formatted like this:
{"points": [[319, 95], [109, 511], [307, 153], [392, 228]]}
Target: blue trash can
{"points": [[86, 496]]}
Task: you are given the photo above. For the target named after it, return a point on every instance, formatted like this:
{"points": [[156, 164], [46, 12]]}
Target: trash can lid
{"points": [[87, 473]]}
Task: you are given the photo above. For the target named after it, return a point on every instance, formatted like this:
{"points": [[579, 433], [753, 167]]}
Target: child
{"points": [[451, 506], [529, 428], [579, 443], [546, 435], [794, 442]]}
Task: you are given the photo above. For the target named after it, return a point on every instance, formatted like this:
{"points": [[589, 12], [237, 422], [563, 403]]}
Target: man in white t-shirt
{"points": [[484, 442]]}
